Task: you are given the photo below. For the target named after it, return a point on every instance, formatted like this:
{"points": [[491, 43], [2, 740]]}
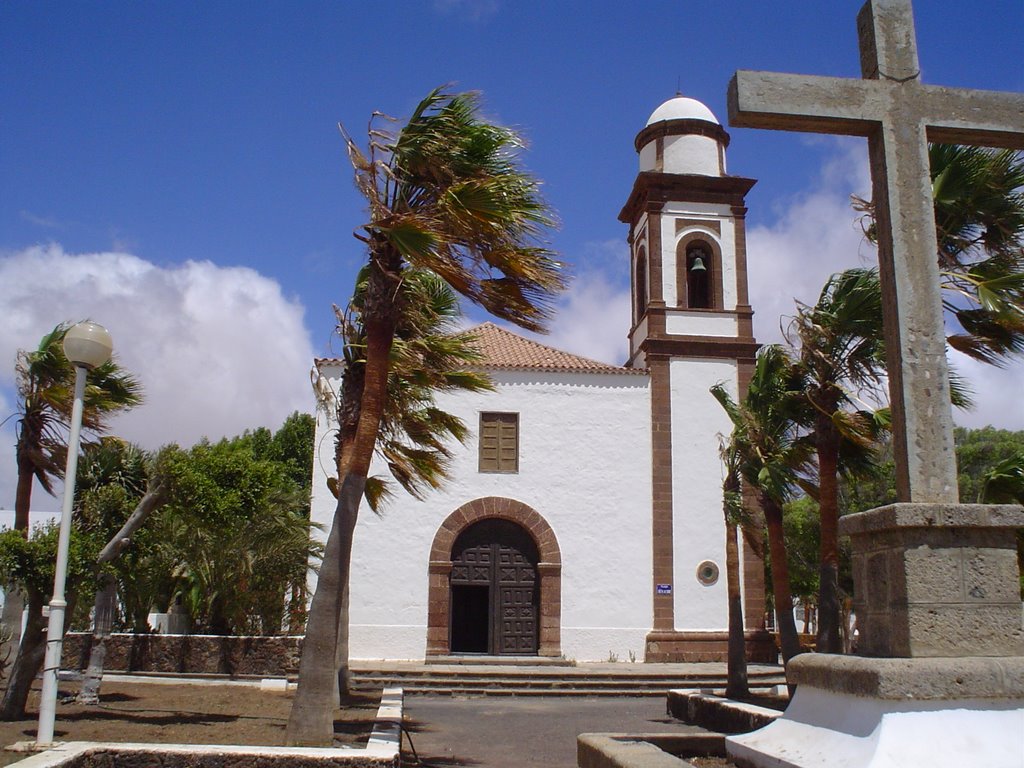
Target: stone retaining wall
{"points": [[276, 656]]}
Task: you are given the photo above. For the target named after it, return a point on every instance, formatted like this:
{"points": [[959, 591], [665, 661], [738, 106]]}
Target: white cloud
{"points": [[593, 318], [218, 349], [814, 235], [998, 394], [8, 465], [49, 222]]}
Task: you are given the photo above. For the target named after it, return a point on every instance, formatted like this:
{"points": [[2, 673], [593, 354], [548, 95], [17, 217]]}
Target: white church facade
{"points": [[584, 518]]}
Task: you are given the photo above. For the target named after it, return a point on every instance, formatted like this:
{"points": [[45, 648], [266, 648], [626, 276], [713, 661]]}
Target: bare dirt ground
{"points": [[180, 713]]}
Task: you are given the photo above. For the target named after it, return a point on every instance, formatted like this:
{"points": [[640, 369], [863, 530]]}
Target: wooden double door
{"points": [[494, 590]]}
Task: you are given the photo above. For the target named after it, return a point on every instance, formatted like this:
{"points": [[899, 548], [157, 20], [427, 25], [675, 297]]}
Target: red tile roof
{"points": [[507, 350]]}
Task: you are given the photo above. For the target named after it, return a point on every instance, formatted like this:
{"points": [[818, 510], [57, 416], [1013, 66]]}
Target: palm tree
{"points": [[429, 355], [770, 454], [737, 686], [119, 487], [979, 221], [841, 355], [45, 383], [446, 195], [1004, 484]]}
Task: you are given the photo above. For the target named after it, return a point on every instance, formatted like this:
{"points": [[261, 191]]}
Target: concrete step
{"points": [[506, 682], [609, 680]]}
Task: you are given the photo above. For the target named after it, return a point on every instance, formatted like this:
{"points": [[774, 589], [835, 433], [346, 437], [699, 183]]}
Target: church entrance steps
{"points": [[555, 680]]}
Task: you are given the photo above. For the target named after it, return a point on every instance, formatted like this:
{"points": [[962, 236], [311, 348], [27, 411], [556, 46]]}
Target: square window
{"points": [[499, 442]]}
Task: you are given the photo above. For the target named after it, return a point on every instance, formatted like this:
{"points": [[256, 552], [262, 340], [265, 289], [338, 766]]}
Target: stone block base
{"points": [[683, 646], [891, 713], [936, 580]]}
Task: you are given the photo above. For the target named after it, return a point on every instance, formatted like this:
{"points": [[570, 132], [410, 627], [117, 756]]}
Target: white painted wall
{"points": [[691, 154], [696, 323], [638, 336], [698, 524], [649, 156], [585, 453]]}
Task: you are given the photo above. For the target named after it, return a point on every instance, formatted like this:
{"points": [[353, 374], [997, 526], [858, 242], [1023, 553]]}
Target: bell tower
{"points": [[691, 328]]}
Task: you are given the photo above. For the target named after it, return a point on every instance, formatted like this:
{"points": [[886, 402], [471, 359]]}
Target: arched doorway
{"points": [[450, 543], [494, 590]]}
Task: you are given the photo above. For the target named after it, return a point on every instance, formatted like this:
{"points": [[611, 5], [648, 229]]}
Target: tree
{"points": [[737, 686], [45, 383], [429, 355], [841, 355], [29, 565], [445, 195], [121, 487], [771, 453], [240, 533], [979, 221]]}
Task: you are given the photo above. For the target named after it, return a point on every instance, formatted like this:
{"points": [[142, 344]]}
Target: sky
{"points": [[175, 172]]}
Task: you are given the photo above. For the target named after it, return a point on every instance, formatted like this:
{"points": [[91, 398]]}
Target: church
{"points": [[583, 518]]}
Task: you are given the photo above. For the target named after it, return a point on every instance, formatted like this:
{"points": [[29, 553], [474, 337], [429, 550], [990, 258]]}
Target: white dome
{"points": [[682, 108]]}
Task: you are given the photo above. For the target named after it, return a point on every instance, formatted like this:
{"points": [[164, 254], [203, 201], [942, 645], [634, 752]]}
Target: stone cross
{"points": [[899, 116]]}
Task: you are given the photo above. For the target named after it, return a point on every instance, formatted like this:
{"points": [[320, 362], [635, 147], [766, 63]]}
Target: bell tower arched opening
{"points": [[640, 285]]}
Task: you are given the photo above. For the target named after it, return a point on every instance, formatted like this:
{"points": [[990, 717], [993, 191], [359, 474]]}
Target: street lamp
{"points": [[86, 345]]}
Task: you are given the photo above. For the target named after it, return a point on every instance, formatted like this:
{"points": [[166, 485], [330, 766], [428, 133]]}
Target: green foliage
{"points": [[802, 525], [980, 450], [29, 563], [429, 354], [292, 446], [240, 529], [770, 450], [231, 537], [979, 226], [446, 194]]}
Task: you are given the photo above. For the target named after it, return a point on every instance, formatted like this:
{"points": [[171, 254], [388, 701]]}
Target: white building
{"points": [[584, 515]]}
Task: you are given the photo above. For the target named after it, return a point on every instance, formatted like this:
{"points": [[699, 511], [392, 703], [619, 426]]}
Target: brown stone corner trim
{"points": [[693, 645], [549, 569]]}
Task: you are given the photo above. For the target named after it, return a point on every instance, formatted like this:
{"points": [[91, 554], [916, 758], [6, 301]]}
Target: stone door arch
{"points": [[548, 568]]}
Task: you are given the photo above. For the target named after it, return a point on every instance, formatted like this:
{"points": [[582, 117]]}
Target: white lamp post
{"points": [[86, 345]]}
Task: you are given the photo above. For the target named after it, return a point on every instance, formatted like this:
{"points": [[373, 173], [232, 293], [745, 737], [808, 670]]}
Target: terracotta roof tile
{"points": [[504, 349], [508, 351]]}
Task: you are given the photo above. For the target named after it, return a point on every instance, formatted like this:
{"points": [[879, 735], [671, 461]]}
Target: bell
{"points": [[698, 265]]}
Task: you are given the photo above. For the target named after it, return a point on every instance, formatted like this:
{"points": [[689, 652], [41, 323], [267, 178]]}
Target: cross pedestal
{"points": [[940, 681], [940, 678]]}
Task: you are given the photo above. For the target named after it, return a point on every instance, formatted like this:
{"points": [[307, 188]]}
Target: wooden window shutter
{"points": [[499, 442]]}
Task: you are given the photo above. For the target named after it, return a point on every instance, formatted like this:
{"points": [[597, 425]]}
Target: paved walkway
{"points": [[511, 732]]}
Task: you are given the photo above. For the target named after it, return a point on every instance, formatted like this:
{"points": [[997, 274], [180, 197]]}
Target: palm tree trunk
{"points": [[27, 662], [344, 676], [106, 602], [736, 685], [14, 600], [829, 608], [788, 639], [311, 722], [23, 493]]}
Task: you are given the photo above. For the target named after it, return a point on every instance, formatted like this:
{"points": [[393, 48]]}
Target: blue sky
{"points": [[182, 161]]}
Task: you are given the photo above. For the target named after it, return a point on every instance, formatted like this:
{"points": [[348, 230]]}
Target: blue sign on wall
{"points": [[664, 589]]}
